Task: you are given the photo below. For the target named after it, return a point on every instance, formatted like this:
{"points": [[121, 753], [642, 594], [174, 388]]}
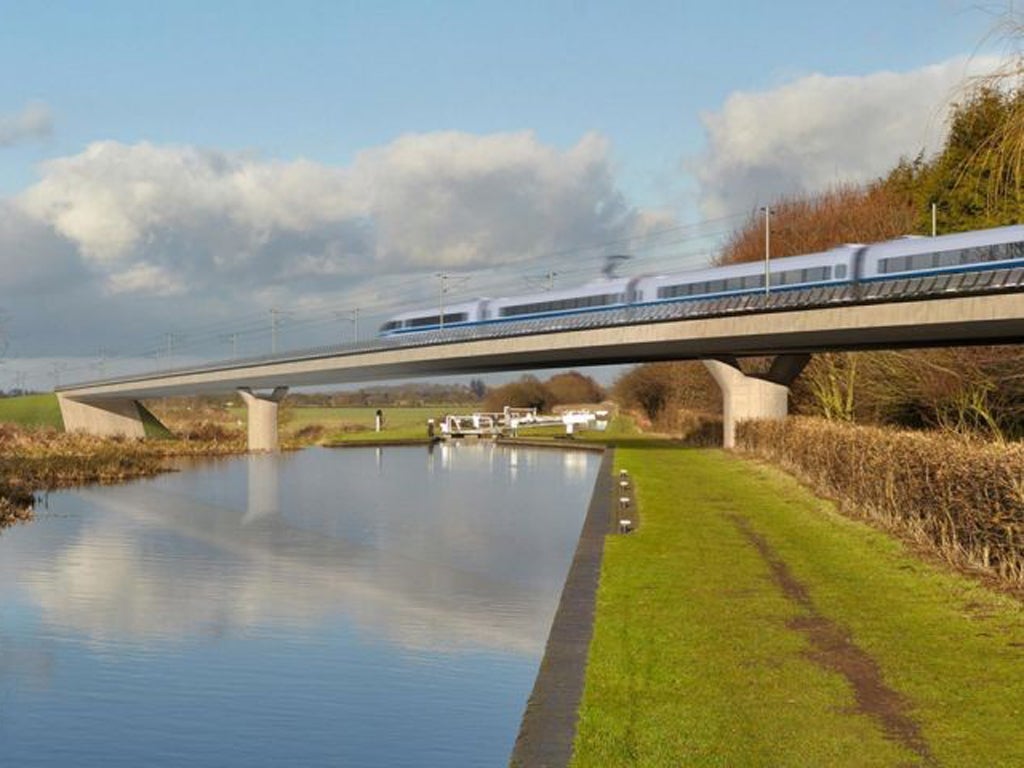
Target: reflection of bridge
{"points": [[937, 310]]}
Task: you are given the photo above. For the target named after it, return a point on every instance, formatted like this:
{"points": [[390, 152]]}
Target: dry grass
{"points": [[44, 459], [963, 499]]}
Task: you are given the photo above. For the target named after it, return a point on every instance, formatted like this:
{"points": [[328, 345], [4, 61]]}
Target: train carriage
{"points": [[998, 248]]}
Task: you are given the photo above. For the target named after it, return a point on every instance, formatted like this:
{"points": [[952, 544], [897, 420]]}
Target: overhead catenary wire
{"points": [[658, 249]]}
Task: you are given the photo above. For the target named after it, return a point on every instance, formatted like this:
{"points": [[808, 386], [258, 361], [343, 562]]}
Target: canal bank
{"points": [[548, 726], [747, 623]]}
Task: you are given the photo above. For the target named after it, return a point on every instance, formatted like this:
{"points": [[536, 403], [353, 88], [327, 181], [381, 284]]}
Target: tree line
{"points": [[974, 181]]}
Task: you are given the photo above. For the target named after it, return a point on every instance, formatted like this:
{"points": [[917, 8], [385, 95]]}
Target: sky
{"points": [[170, 173]]}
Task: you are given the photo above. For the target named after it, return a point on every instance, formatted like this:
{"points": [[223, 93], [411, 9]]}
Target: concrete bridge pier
{"points": [[102, 417], [754, 397], [262, 411]]}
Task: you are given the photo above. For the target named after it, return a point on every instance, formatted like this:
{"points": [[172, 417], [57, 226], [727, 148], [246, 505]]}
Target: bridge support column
{"points": [[750, 397], [262, 411], [103, 418]]}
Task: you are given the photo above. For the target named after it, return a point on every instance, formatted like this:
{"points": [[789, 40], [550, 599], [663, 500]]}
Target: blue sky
{"points": [[323, 80], [144, 147]]}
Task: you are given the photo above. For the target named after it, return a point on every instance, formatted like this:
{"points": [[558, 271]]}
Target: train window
{"points": [[578, 302], [456, 317], [894, 264], [922, 261], [420, 322], [947, 258], [674, 291], [734, 283], [840, 272], [816, 274]]}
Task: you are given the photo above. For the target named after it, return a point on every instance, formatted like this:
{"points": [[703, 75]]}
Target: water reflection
{"points": [[436, 559], [357, 607], [264, 497]]}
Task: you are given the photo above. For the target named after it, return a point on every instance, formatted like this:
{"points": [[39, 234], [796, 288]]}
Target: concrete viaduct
{"points": [[789, 326]]}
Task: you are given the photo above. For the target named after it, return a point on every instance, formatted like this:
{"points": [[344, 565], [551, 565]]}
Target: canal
{"points": [[379, 606]]}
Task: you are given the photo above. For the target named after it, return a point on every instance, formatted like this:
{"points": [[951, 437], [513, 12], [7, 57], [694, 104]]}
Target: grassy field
{"points": [[31, 411], [747, 624], [345, 424]]}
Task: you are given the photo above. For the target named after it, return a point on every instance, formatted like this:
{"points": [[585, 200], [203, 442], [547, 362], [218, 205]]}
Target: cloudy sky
{"points": [[169, 173]]}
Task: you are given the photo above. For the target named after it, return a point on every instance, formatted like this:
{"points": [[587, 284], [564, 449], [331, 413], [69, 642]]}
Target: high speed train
{"points": [[979, 250]]}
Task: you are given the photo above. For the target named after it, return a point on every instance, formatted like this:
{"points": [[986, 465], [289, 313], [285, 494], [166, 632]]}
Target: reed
{"points": [[42, 459]]}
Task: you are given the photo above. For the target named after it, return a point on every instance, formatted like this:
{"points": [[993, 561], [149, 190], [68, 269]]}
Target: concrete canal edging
{"points": [[548, 727]]}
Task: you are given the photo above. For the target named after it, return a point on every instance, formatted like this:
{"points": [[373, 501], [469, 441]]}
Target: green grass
{"points": [[693, 661], [348, 424], [31, 411], [153, 427]]}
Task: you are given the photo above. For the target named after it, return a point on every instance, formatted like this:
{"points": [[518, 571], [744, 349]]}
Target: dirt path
{"points": [[834, 650]]}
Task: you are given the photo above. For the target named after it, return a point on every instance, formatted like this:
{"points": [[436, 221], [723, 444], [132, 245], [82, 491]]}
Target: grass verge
{"points": [[705, 655]]}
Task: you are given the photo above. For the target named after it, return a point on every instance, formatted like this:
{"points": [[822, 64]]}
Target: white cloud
{"points": [[817, 131], [145, 278], [162, 218], [35, 121]]}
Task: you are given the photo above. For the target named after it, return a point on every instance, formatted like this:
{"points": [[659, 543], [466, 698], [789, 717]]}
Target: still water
{"points": [[357, 607]]}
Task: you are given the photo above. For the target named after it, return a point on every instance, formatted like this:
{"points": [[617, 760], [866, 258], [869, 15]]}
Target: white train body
{"points": [[988, 249]]}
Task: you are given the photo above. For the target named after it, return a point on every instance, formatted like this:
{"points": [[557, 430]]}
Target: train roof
{"points": [[977, 237], [593, 288], [461, 306], [757, 267]]}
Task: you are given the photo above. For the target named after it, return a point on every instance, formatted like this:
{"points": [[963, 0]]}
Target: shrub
{"points": [[661, 390], [574, 387]]}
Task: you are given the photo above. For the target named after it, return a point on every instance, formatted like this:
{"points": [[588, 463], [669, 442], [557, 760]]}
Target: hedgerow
{"points": [[964, 499]]}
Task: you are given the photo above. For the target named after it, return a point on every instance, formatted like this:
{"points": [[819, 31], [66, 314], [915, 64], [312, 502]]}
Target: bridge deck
{"points": [[963, 308]]}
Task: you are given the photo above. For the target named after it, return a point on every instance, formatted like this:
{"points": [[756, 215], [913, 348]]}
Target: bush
{"points": [[573, 387], [527, 392], [965, 499], [667, 394], [530, 392]]}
